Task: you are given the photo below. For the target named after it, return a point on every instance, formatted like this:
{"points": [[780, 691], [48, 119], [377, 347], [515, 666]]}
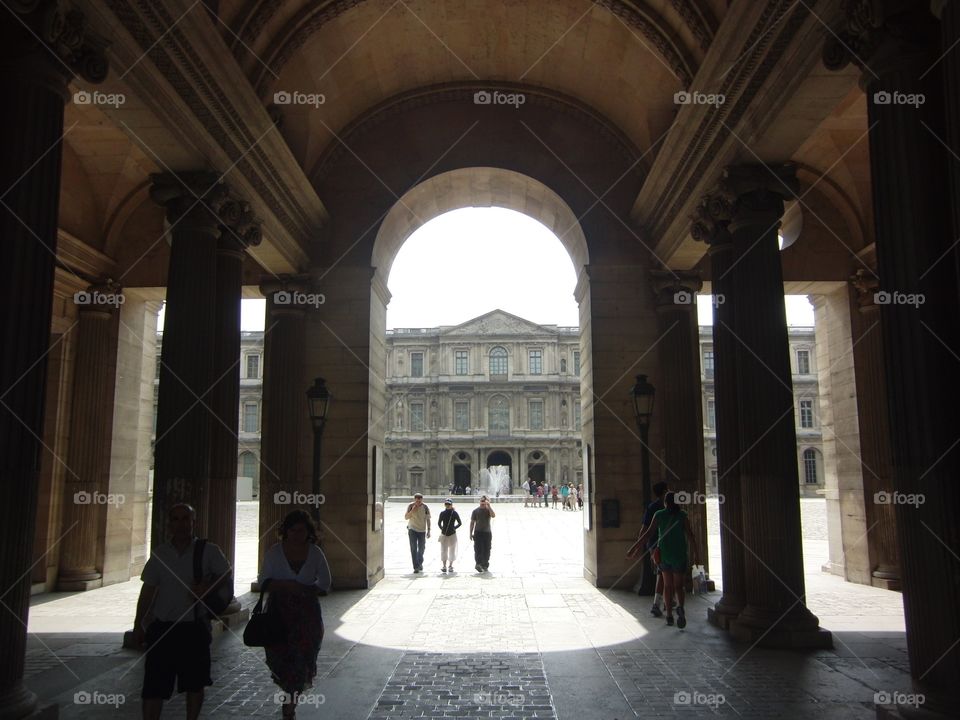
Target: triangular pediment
{"points": [[499, 322]]}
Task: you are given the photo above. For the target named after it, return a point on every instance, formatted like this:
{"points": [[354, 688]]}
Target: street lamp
{"points": [[643, 394], [318, 403]]}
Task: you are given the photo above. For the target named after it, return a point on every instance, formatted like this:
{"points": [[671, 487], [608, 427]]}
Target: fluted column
{"points": [[874, 426], [284, 410], [182, 449], [710, 226], [679, 397], [40, 49], [899, 46], [949, 13], [86, 483], [775, 613], [239, 231]]}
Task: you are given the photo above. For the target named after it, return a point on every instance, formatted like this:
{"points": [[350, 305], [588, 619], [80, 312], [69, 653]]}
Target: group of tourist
{"points": [[538, 493], [418, 530]]}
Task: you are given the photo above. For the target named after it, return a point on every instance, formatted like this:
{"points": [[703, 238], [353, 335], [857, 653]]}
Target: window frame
{"points": [[535, 354], [416, 355], [806, 404]]}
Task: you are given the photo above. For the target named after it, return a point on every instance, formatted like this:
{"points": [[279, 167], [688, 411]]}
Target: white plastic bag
{"points": [[699, 579]]}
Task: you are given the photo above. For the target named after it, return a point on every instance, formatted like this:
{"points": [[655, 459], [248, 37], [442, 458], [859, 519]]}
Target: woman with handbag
{"points": [[295, 572]]}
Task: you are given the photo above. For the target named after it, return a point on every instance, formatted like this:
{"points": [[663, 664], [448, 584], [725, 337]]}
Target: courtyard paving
{"points": [[530, 639]]}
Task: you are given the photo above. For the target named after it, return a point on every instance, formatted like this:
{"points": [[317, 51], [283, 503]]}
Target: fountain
{"points": [[495, 480]]}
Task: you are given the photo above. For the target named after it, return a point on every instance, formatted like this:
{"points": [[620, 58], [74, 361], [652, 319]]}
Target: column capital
{"points": [[242, 228], [194, 197], [292, 295], [756, 193], [866, 285], [882, 35], [675, 290], [100, 300], [710, 220]]}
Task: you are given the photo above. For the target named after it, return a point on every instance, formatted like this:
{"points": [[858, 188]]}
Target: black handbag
{"points": [[264, 627]]}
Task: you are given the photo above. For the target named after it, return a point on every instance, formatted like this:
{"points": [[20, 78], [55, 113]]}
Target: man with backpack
{"points": [[184, 583]]}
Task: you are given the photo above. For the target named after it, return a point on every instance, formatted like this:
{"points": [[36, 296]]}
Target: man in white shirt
{"points": [[178, 637], [418, 529]]}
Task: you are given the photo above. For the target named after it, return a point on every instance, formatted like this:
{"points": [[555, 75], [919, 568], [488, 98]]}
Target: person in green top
{"points": [[675, 541]]}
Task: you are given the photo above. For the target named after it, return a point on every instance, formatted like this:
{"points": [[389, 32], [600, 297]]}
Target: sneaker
{"points": [[479, 567], [418, 570], [681, 618], [670, 620], [443, 569], [486, 568], [450, 569], [656, 611]]}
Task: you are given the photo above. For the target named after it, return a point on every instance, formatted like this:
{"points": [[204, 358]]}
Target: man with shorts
{"points": [[178, 636], [659, 490]]}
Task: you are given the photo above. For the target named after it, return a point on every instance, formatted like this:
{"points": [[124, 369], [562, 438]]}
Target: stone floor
{"points": [[531, 639]]}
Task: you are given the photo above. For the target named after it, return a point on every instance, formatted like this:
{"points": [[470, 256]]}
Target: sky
{"points": [[470, 261]]}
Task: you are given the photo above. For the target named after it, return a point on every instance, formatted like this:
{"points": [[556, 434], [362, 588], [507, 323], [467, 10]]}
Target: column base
{"points": [[768, 628], [886, 578], [18, 702], [79, 583], [724, 612]]}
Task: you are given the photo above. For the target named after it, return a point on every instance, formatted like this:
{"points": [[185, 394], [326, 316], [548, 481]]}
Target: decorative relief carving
{"points": [[65, 33]]}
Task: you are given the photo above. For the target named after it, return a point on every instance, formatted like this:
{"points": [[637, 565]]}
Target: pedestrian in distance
{"points": [[448, 521], [481, 533], [418, 530]]}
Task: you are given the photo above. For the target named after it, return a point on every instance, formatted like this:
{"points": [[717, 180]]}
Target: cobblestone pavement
{"points": [[529, 639]]}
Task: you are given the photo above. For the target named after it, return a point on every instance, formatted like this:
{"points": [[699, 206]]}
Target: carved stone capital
{"points": [[756, 193], [711, 218], [100, 300], [191, 198], [867, 285], [242, 228], [675, 290], [291, 295]]}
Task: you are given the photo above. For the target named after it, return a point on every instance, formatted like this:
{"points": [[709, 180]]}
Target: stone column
{"points": [[949, 13], [184, 416], [775, 614], [710, 226], [40, 49], [284, 408], [679, 398], [239, 232], [900, 49], [874, 433], [86, 484]]}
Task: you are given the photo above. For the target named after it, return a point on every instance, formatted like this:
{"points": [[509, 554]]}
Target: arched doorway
{"points": [[499, 476]]}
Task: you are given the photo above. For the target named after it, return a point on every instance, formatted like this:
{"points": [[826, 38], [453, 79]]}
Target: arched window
{"points": [[810, 466], [248, 466], [499, 416], [498, 361]]}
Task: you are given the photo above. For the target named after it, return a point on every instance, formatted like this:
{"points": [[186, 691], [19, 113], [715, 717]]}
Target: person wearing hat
{"points": [[448, 522], [418, 529]]}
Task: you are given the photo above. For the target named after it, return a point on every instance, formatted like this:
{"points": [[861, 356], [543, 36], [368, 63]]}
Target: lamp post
{"points": [[318, 403], [643, 394]]}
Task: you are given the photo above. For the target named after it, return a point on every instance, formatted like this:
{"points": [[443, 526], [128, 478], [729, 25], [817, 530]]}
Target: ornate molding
{"points": [[747, 194]]}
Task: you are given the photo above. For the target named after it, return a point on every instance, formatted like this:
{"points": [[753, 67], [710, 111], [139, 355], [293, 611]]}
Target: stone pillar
{"points": [[86, 486], [240, 232], [40, 49], [874, 433], [900, 49], [713, 216], [679, 398], [284, 408], [184, 417], [949, 13], [775, 614]]}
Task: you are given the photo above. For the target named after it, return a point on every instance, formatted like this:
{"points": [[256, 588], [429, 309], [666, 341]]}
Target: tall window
{"points": [[250, 417], [563, 366], [536, 362], [576, 415], [576, 362], [810, 466], [806, 413], [416, 364], [461, 415], [536, 414], [708, 363], [498, 361], [499, 416], [711, 414], [249, 466], [460, 362], [253, 365], [416, 416], [416, 479], [714, 477], [803, 362]]}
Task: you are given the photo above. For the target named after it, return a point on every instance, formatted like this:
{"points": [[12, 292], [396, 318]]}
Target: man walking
{"points": [[659, 490], [178, 638], [481, 534], [418, 529]]}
